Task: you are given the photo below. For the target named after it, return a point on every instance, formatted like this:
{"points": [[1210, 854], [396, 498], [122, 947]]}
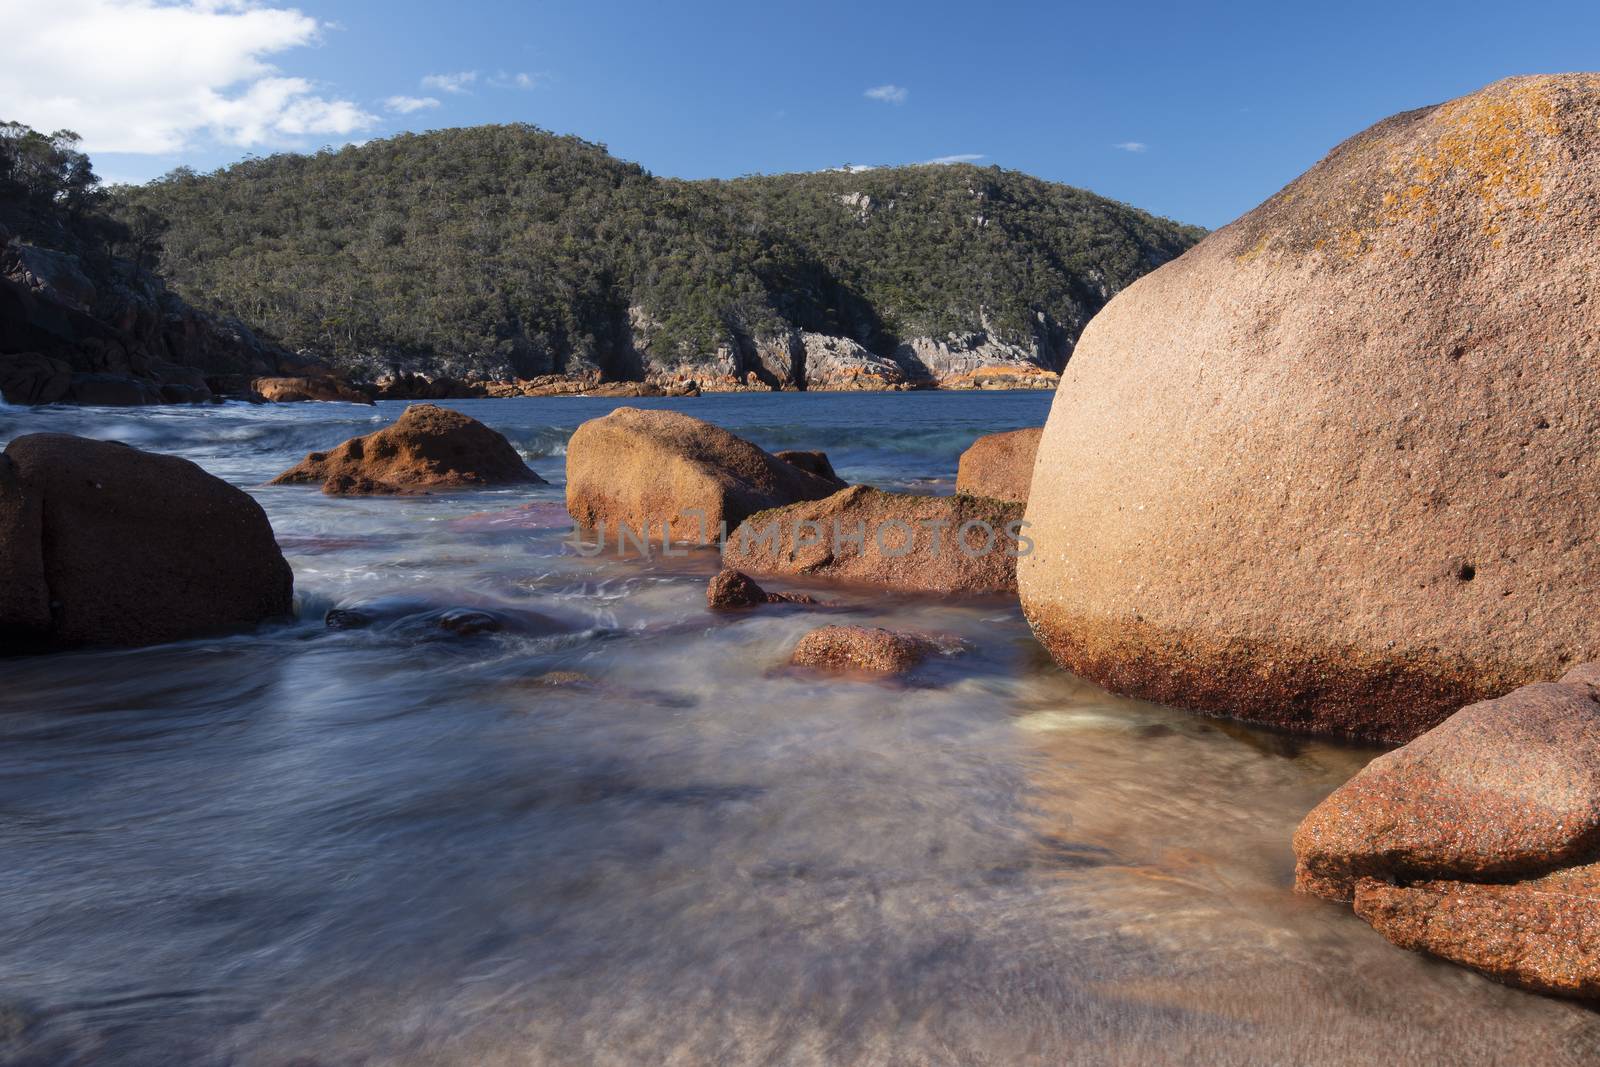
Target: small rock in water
{"points": [[935, 544], [346, 619], [862, 648], [731, 589]]}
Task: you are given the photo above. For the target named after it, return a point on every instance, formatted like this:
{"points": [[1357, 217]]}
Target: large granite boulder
{"points": [[861, 535], [1332, 469], [1478, 841], [1000, 465], [102, 544], [428, 447], [655, 470]]}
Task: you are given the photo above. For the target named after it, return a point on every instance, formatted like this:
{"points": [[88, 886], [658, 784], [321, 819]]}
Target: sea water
{"points": [[618, 831]]}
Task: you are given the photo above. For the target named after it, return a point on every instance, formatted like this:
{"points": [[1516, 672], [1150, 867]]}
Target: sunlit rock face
{"points": [[1333, 468]]}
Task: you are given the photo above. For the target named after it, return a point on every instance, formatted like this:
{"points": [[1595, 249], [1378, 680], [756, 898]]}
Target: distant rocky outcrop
{"points": [[78, 326], [838, 364], [299, 390], [1000, 465], [1330, 469], [662, 472], [1480, 840], [934, 544], [428, 447], [102, 544]]}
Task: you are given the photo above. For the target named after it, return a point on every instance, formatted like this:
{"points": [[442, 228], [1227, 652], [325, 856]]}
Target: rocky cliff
{"points": [[81, 323]]}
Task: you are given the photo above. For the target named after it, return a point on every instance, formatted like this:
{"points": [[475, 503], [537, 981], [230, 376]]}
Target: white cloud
{"points": [[520, 80], [460, 82], [1131, 146], [888, 94], [405, 105], [153, 76], [961, 157]]}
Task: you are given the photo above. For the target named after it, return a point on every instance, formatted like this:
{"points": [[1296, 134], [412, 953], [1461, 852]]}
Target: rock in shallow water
{"points": [[656, 471], [731, 589], [428, 447], [1542, 935], [871, 649], [1331, 469], [939, 544], [1477, 841], [102, 544], [301, 390], [1503, 789]]}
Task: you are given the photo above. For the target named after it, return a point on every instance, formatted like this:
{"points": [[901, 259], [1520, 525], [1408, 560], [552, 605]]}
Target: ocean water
{"points": [[619, 831]]}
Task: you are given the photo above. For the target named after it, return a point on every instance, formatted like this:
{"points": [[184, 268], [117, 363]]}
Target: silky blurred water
{"points": [[619, 832]]}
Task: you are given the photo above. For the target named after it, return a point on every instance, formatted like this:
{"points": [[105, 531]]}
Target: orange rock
{"points": [[1477, 841], [1502, 789], [1000, 465], [870, 649], [650, 470], [865, 535], [729, 589], [429, 447], [1542, 935], [296, 390]]}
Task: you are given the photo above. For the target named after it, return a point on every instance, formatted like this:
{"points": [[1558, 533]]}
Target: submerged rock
{"points": [[871, 649], [428, 447], [102, 544], [408, 616], [1331, 469], [939, 544], [660, 470], [1478, 841], [731, 589], [1000, 465]]}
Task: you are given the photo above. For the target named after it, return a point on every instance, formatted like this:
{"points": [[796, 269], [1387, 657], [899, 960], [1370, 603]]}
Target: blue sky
{"points": [[1196, 111]]}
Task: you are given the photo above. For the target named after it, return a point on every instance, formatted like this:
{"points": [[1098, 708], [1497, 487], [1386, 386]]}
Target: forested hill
{"points": [[500, 251]]}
